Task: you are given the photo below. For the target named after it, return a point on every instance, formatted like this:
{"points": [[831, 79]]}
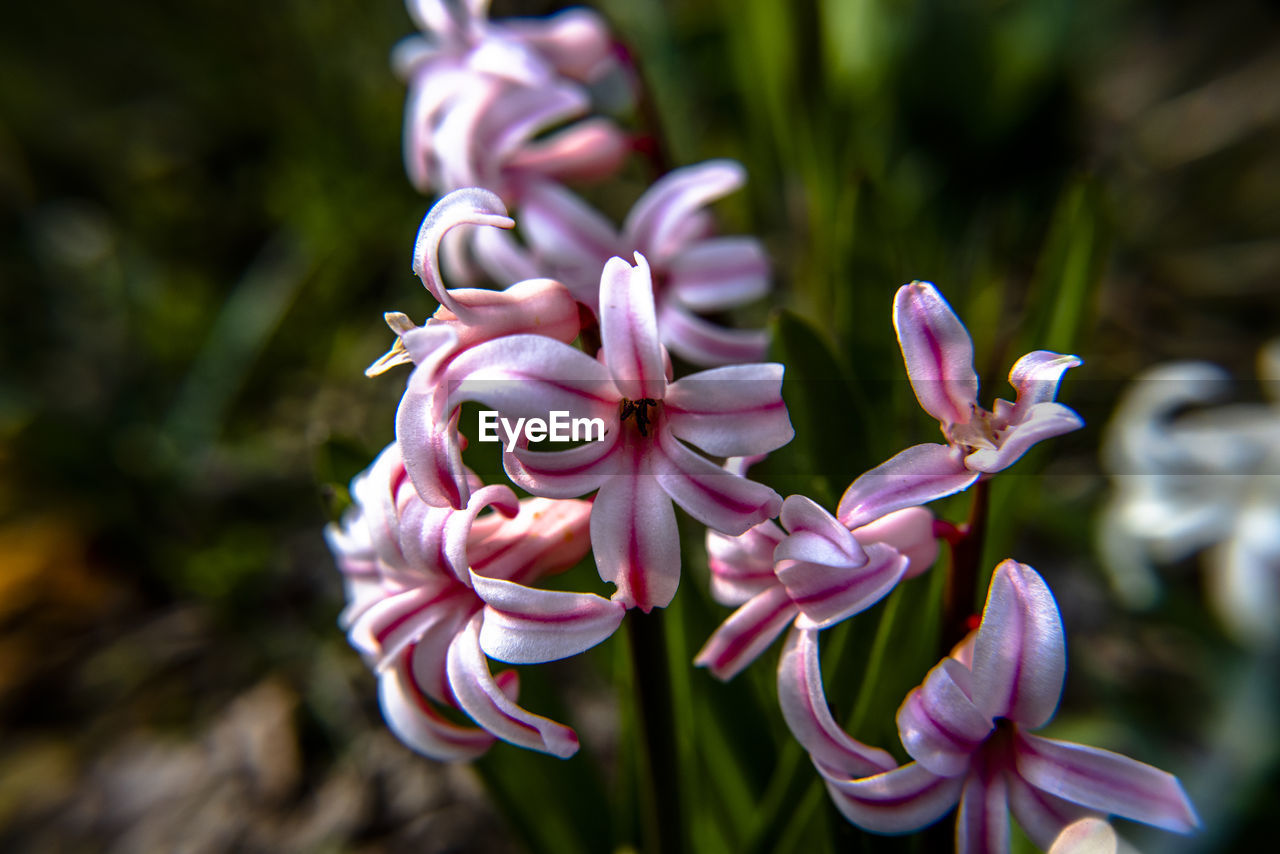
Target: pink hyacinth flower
{"points": [[466, 317], [814, 577], [968, 730], [694, 271], [642, 464], [480, 91], [939, 357], [434, 590]]}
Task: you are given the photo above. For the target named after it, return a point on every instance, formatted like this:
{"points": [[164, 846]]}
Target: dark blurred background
{"points": [[203, 215]]}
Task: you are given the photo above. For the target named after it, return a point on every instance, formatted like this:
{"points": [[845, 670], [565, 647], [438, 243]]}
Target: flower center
{"points": [[978, 433], [640, 410]]}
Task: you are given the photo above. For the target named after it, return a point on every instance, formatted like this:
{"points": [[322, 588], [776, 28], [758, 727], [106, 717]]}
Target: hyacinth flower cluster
{"points": [[444, 571]]}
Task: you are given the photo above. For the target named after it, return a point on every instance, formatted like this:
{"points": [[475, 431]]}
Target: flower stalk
{"points": [[662, 830]]}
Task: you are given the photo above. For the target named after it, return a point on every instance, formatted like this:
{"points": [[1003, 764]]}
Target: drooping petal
{"points": [[569, 473], [747, 633], [1036, 377], [563, 228], [1043, 816], [629, 330], [918, 475], [815, 536], [470, 206], [702, 342], [731, 411], [1043, 421], [826, 595], [587, 150], [525, 376], [388, 628], [417, 723], [635, 538], [429, 441], [481, 697], [1105, 781], [727, 502], [939, 724], [454, 535], [742, 566], [982, 824], [1019, 655], [938, 353], [523, 625], [902, 800], [910, 531], [535, 307], [660, 216], [546, 536], [804, 708], [719, 273]]}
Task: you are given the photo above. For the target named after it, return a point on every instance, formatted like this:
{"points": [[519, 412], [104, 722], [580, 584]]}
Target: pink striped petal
{"points": [[938, 353], [560, 226], [522, 111], [587, 150], [719, 273], [982, 824], [426, 618], [938, 722], [535, 307], [523, 625], [804, 707], [747, 633], [547, 536], [570, 473], [910, 531], [731, 411], [1043, 421], [742, 566], [660, 216], [1043, 816], [918, 475], [1036, 377], [481, 697], [420, 726], [575, 41], [455, 534], [429, 441], [503, 257], [472, 206], [815, 536], [629, 330], [510, 60], [635, 538], [827, 595], [902, 800], [1019, 656], [702, 342], [525, 376], [1105, 781], [718, 499]]}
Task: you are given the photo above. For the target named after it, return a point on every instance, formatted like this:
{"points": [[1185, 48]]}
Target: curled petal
{"points": [[1105, 781], [661, 216], [816, 537], [902, 800], [629, 330], [471, 206], [546, 536], [587, 150], [635, 538], [918, 475], [1043, 421], [535, 307], [522, 111], [483, 699], [731, 411], [747, 633], [525, 376], [718, 499], [456, 534], [938, 722], [719, 273], [1043, 816], [432, 455], [432, 611], [1036, 377], [804, 707], [742, 566], [982, 825], [704, 343], [568, 473], [523, 625], [826, 595], [417, 723], [1019, 655], [938, 353], [910, 531]]}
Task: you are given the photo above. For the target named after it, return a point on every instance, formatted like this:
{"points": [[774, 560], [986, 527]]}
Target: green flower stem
{"points": [[660, 785]]}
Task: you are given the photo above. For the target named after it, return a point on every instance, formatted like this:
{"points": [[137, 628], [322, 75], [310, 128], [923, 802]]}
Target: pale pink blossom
{"points": [[813, 577], [434, 590], [968, 730], [939, 358], [643, 463]]}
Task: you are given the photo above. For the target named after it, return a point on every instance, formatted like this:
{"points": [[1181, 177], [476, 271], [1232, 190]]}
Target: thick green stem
{"points": [[663, 831]]}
